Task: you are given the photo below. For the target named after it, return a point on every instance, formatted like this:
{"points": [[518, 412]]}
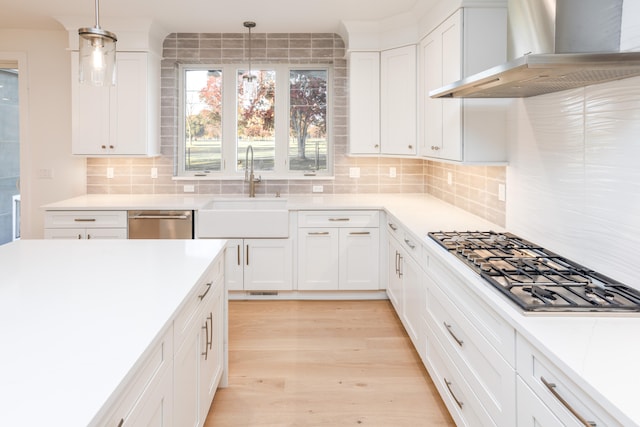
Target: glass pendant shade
{"points": [[97, 52]]}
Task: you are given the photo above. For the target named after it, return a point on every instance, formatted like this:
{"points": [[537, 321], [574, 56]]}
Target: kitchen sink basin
{"points": [[243, 218]]}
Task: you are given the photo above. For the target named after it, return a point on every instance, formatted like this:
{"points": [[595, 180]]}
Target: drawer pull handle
{"points": [[239, 255], [318, 233], [392, 226], [360, 233], [205, 353], [84, 219], [448, 384], [339, 219], [458, 340], [408, 242], [552, 388], [208, 285], [121, 422]]}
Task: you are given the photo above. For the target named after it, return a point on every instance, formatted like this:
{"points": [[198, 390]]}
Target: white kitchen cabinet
{"points": [[337, 250], [147, 398], [259, 264], [198, 359], [462, 130], [557, 396], [120, 120], [398, 101], [364, 102], [85, 225], [405, 288]]}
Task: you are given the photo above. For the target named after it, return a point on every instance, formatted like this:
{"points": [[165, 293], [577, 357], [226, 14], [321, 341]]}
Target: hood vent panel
{"points": [[550, 29]]}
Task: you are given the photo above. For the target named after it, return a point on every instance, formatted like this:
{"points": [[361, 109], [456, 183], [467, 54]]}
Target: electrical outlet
{"points": [[189, 188], [154, 173], [354, 172], [502, 192], [45, 173], [110, 173], [449, 178], [318, 188], [392, 172]]}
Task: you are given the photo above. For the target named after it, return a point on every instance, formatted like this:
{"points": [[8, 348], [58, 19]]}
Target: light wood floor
{"points": [[323, 363]]}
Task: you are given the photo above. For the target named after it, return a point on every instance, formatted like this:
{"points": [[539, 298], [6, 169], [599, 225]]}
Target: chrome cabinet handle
{"points": [[400, 258], [84, 219], [88, 236], [121, 422], [458, 402], [238, 254], [339, 219], [208, 285], [397, 268], [552, 388], [392, 226], [205, 353], [318, 233], [435, 147], [247, 260], [210, 337], [458, 340], [159, 217], [359, 233], [408, 242]]}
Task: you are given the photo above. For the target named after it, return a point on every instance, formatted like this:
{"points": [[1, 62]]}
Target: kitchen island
{"points": [[76, 317]]}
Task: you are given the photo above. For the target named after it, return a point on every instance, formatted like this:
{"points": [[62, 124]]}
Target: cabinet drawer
{"points": [[85, 219], [459, 397], [560, 394], [338, 219], [195, 301], [487, 322], [155, 365], [482, 366]]}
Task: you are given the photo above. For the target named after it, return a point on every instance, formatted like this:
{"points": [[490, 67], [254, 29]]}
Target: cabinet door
{"points": [[431, 109], [450, 33], [268, 264], [318, 258], [414, 298], [234, 265], [212, 341], [394, 286], [359, 256], [90, 124], [398, 101], [364, 103], [186, 384]]}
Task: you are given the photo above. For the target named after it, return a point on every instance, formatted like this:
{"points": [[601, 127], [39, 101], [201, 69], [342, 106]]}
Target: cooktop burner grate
{"points": [[535, 278]]}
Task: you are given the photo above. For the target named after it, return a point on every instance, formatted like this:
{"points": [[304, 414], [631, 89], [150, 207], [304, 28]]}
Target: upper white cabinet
{"points": [[382, 113], [120, 120], [364, 111], [398, 101], [463, 130]]}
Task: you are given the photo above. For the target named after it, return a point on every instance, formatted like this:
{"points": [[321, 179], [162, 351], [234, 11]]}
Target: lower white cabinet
{"points": [[405, 286], [338, 251], [549, 395], [199, 355], [85, 225], [259, 265]]}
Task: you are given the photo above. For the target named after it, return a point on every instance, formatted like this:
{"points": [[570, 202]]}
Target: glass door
{"points": [[9, 153]]}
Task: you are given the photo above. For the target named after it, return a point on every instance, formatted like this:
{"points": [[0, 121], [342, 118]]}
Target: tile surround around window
{"points": [[475, 188]]}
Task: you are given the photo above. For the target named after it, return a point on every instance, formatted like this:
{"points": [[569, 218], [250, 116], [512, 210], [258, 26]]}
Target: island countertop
{"points": [[76, 315]]}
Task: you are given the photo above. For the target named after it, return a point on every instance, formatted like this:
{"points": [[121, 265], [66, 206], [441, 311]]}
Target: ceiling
{"points": [[212, 15]]}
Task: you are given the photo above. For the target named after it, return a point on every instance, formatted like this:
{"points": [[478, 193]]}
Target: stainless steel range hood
{"points": [[573, 43]]}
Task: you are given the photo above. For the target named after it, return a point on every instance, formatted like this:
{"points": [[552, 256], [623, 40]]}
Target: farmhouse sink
{"points": [[228, 218]]}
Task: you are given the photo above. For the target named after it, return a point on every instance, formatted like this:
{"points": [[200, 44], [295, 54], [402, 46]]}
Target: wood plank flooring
{"points": [[323, 363]]}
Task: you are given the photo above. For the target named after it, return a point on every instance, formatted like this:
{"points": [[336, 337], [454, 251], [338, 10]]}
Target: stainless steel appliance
{"points": [[161, 224], [536, 279]]}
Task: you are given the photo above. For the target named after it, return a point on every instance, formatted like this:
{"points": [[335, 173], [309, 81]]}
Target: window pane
{"points": [[256, 118], [203, 120], [308, 120]]}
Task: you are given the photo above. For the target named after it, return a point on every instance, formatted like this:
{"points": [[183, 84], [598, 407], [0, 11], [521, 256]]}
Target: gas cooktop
{"points": [[536, 279]]}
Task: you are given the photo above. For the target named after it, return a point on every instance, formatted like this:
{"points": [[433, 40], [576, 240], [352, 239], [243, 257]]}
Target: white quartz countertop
{"points": [[75, 315], [598, 352]]}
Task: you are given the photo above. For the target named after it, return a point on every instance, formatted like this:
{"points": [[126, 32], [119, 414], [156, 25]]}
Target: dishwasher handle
{"points": [[159, 217]]}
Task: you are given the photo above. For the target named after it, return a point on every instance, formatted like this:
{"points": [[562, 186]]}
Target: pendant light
{"points": [[97, 54], [249, 83]]}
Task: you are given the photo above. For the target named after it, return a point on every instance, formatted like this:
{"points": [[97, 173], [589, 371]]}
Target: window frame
{"points": [[229, 123]]}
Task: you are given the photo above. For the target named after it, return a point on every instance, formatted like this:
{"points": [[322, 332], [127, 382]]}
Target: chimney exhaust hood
{"points": [[575, 43]]}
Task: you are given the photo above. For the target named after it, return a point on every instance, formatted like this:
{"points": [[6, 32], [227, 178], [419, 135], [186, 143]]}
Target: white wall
{"points": [[45, 134], [574, 175]]}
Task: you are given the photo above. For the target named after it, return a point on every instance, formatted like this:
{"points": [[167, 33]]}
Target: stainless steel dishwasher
{"points": [[160, 224]]}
